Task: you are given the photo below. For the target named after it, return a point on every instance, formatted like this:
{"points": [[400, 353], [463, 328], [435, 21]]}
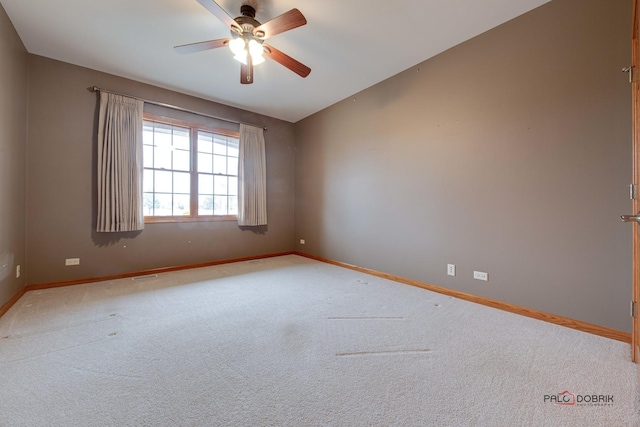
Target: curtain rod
{"points": [[174, 107]]}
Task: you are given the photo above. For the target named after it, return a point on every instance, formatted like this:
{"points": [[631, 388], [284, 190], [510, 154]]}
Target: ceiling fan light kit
{"points": [[241, 48], [247, 39]]}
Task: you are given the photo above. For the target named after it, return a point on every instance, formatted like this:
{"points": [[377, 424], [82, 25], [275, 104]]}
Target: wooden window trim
{"points": [[201, 218], [191, 125]]}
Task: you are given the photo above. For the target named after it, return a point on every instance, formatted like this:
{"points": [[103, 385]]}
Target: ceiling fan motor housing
{"points": [[247, 22]]}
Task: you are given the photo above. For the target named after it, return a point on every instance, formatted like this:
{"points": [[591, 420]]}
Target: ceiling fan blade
{"points": [[285, 22], [284, 59], [198, 47], [246, 72], [219, 13]]}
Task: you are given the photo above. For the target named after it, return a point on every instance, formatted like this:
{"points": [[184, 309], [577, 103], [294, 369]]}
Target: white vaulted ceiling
{"points": [[349, 45]]}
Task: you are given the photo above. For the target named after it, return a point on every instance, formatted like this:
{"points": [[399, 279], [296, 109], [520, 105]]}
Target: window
{"points": [[190, 171], [217, 174]]}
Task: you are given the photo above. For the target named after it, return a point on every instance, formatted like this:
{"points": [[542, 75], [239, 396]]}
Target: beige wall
{"points": [[508, 154], [13, 134], [61, 185]]}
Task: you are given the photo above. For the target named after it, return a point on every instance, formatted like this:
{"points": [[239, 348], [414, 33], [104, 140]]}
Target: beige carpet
{"points": [[293, 342]]}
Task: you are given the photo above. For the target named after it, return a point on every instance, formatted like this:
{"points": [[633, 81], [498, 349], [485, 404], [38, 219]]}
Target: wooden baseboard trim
{"points": [[512, 308], [14, 299], [49, 285]]}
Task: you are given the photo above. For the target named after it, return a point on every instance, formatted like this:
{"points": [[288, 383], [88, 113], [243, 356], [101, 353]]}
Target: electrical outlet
{"points": [[451, 269], [72, 261], [17, 271], [481, 275], [302, 242]]}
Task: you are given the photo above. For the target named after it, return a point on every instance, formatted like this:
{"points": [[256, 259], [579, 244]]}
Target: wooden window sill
{"points": [[161, 219]]}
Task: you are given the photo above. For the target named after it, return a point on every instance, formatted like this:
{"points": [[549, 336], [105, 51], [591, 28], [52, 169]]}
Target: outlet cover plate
{"points": [[481, 275]]}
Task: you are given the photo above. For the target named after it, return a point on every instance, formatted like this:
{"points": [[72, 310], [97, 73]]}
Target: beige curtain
{"points": [[252, 191], [119, 164]]}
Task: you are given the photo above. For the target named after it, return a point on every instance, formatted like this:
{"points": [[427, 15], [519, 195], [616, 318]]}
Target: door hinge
{"points": [[634, 309], [629, 70], [633, 191]]}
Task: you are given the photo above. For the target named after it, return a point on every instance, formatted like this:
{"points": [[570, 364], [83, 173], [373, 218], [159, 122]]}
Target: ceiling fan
{"points": [[248, 36]]}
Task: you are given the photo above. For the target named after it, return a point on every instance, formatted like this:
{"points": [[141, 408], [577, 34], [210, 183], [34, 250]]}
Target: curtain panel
{"points": [[252, 171], [120, 165]]}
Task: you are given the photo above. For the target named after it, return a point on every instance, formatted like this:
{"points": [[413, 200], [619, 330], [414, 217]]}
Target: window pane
{"points": [[220, 205], [147, 180], [162, 135], [219, 145], [147, 133], [181, 138], [148, 204], [205, 142], [205, 163], [181, 160], [232, 147], [181, 204], [220, 185], [233, 186], [162, 205], [147, 156], [233, 205], [182, 182], [233, 166], [205, 205], [220, 164], [205, 184], [163, 182], [162, 158]]}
